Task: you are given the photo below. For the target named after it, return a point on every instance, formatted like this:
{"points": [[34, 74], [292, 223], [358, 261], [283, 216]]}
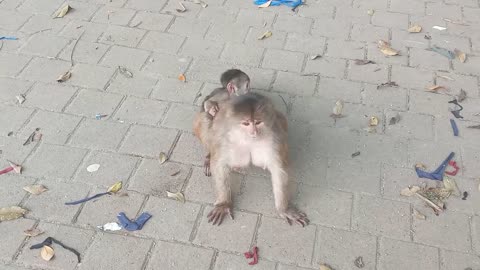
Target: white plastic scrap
{"points": [[113, 226]]}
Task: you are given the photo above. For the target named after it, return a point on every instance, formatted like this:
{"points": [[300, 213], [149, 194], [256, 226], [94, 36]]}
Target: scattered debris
{"points": [[359, 262], [356, 154], [445, 52], [435, 88], [337, 110], [35, 136], [200, 2], [182, 78], [465, 195], [409, 191], [10, 133], [387, 84], [455, 22], [415, 28], [133, 225], [460, 55], [33, 232], [50, 240], [111, 190], [474, 126], [325, 267], [446, 78], [175, 173], [438, 173], [64, 77], [315, 56], [439, 28], [451, 186], [11, 213], [254, 255], [394, 119], [115, 188], [430, 203], [8, 38], [62, 11], [20, 98], [370, 12], [461, 96], [427, 37], [266, 4], [362, 62], [112, 226], [13, 167], [125, 72], [455, 168], [93, 167], [265, 35], [454, 127], [177, 196], [385, 48], [47, 253], [137, 24], [373, 122], [418, 215], [182, 8], [162, 157], [99, 116], [35, 189], [456, 112]]}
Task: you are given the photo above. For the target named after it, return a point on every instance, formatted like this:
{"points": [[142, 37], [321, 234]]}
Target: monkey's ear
{"points": [[230, 88]]}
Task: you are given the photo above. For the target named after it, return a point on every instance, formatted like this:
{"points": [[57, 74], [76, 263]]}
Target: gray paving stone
{"points": [[85, 52], [132, 250], [39, 22], [188, 27], [83, 11], [189, 150], [289, 23], [373, 73], [325, 66], [227, 32], [276, 41], [41, 96], [442, 10], [367, 178], [230, 261], [305, 43], [353, 14], [412, 125], [140, 85], [411, 78], [327, 27], [180, 116], [11, 20], [90, 76], [50, 205], [147, 180], [295, 84], [207, 70], [357, 117], [470, 157], [12, 64], [326, 142], [456, 260], [46, 7], [13, 237], [175, 90], [159, 140], [15, 193], [173, 220], [166, 65], [339, 249], [368, 33], [145, 5], [202, 48], [113, 167], [218, 14], [44, 45], [467, 83], [45, 70], [256, 18], [55, 127], [11, 88], [316, 10], [390, 19], [476, 234], [72, 237], [260, 78], [387, 97], [233, 235], [90, 102], [409, 7], [12, 118], [242, 54], [97, 134], [125, 57], [162, 42], [151, 21], [345, 49], [113, 15], [11, 150], [283, 60], [54, 161], [89, 31], [468, 68], [124, 36], [142, 111], [377, 148], [393, 254], [172, 256], [294, 247], [428, 60], [290, 267]]}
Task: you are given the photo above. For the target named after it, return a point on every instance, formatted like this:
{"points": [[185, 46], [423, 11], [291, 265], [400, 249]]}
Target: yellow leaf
{"points": [[182, 78], [373, 121], [325, 267], [115, 188], [267, 4], [33, 232], [162, 157], [265, 35], [35, 189], [388, 51], [62, 11], [419, 215], [415, 28], [177, 196], [64, 77], [460, 55], [10, 213], [47, 253]]}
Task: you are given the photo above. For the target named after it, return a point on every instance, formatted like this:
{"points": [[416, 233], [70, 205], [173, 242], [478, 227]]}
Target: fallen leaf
{"points": [[182, 78], [387, 84], [418, 215], [125, 72], [325, 267], [266, 4], [383, 43], [64, 77], [440, 28], [182, 9], [115, 188], [112, 226], [93, 167], [35, 189], [47, 253], [177, 196], [373, 122], [200, 2], [388, 51], [370, 12], [315, 56], [62, 11], [33, 232], [362, 62], [460, 55], [409, 191], [12, 212], [162, 157], [20, 99], [420, 166], [415, 28], [265, 35], [337, 109], [359, 262], [356, 154], [462, 95], [435, 87], [450, 185]]}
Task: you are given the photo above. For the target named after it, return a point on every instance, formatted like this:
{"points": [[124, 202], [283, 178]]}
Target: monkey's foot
{"points": [[293, 215], [219, 212], [206, 166]]}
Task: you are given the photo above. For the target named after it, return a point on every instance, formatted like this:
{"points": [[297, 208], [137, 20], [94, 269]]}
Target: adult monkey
{"points": [[248, 130]]}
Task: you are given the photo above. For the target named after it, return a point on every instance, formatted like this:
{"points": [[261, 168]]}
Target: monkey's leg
{"points": [[223, 202], [280, 192], [206, 165]]}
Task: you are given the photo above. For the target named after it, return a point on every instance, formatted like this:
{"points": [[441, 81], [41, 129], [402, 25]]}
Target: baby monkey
{"points": [[234, 82]]}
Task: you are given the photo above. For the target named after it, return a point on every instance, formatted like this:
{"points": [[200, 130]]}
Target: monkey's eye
{"points": [[246, 123], [258, 123]]}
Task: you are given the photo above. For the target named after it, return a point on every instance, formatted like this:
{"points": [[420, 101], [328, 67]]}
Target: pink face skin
{"points": [[251, 127]]}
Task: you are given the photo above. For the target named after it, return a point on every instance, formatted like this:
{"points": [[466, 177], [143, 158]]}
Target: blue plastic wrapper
{"points": [[289, 3]]}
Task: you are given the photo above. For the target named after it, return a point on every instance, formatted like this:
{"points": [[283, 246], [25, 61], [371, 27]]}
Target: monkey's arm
{"points": [[223, 202]]}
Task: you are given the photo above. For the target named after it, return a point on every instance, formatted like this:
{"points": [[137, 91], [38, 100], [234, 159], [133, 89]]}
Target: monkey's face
{"points": [[252, 127]]}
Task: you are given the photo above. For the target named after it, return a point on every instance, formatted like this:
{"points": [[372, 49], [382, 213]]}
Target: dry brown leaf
{"points": [[182, 78], [325, 267], [362, 62], [64, 77], [20, 98], [12, 212], [370, 12], [182, 8], [62, 11], [388, 51], [177, 196], [47, 253], [373, 122], [116, 187], [125, 72], [409, 191], [267, 4], [415, 28], [419, 215], [460, 55], [162, 157], [338, 108], [35, 189], [435, 87], [359, 262], [315, 56], [265, 35], [383, 43], [33, 232]]}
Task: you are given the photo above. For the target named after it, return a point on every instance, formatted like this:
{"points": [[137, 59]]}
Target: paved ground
{"points": [[353, 203]]}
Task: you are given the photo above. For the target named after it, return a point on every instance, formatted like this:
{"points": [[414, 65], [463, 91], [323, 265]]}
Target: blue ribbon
{"points": [[8, 38], [438, 173], [87, 199], [289, 3]]}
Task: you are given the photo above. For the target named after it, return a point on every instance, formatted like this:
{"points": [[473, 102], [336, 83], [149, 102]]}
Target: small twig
{"points": [[430, 203], [72, 63], [39, 31], [284, 102]]}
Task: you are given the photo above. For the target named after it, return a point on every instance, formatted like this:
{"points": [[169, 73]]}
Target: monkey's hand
{"points": [[213, 110], [294, 215], [219, 212]]}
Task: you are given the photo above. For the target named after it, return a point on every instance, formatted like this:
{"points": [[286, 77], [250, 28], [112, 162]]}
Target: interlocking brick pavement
{"points": [[354, 203]]}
